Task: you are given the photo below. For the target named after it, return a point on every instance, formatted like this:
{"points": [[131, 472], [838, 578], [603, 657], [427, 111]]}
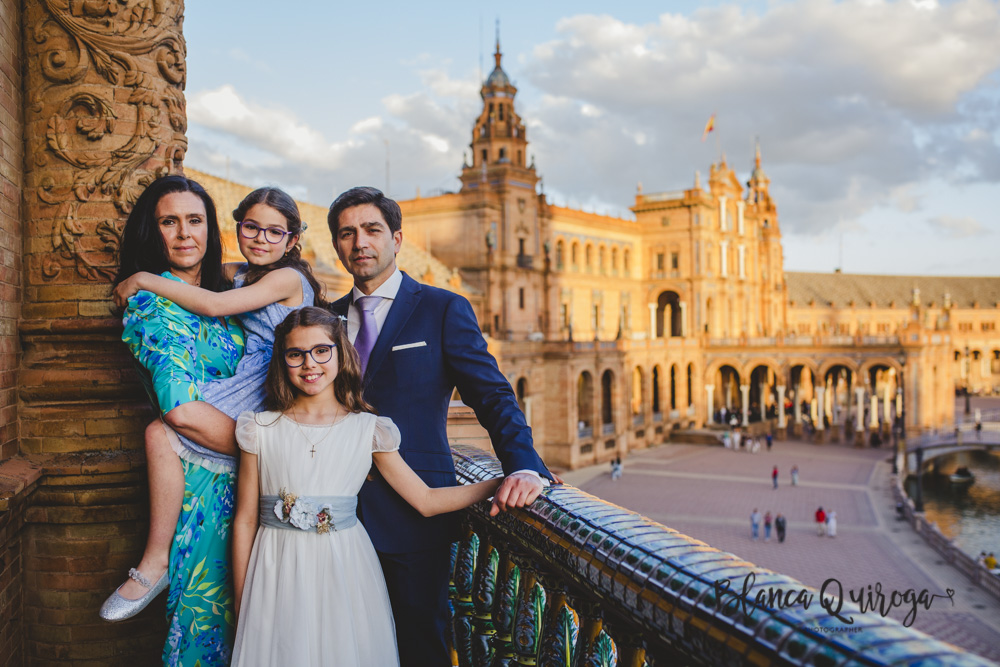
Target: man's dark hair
{"points": [[359, 197]]}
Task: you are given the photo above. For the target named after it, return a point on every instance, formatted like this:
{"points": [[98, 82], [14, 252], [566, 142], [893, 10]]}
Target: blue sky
{"points": [[879, 122]]}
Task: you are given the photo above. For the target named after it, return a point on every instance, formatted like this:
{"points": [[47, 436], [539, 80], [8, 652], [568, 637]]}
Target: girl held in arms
{"points": [[273, 282], [309, 588]]}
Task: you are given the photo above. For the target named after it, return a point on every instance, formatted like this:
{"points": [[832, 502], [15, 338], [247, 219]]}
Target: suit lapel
{"points": [[402, 307], [340, 306]]}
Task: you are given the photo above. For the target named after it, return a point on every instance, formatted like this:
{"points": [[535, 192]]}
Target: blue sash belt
{"points": [[319, 514]]}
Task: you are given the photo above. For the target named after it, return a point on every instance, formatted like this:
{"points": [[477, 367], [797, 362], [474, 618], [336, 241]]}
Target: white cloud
{"points": [[255, 144], [852, 100], [277, 131], [857, 105], [957, 227]]}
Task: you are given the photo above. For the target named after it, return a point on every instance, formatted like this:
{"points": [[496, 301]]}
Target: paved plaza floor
{"points": [[709, 492]]}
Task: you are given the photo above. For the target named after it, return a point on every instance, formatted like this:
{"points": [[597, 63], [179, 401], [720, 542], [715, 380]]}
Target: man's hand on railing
{"points": [[516, 490]]}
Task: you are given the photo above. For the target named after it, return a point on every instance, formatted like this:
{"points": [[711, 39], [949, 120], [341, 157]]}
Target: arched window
{"points": [[625, 257], [588, 259], [656, 390], [585, 401], [614, 260], [607, 398], [668, 315], [560, 248], [673, 387], [574, 256]]}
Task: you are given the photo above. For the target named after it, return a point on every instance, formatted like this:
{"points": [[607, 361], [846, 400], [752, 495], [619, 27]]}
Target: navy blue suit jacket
{"points": [[413, 386]]}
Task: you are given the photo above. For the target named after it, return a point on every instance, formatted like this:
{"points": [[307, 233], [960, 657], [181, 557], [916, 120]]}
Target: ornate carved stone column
{"points": [[104, 115]]}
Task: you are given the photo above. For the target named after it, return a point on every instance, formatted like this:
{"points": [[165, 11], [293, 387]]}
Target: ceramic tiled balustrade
{"points": [[575, 580]]}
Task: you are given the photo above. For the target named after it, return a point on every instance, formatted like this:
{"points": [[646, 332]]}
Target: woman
{"points": [[173, 231]]}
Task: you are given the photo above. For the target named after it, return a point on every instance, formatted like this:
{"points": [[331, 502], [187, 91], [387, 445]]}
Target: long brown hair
{"points": [[142, 247], [283, 203], [281, 394]]}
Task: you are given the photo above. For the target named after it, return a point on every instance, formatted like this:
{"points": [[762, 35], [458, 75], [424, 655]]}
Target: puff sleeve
{"points": [[247, 432], [386, 438]]}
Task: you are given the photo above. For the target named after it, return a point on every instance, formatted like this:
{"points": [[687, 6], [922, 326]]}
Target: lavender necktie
{"points": [[368, 332]]}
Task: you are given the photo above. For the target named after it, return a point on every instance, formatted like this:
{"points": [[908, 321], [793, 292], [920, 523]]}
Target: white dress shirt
{"points": [[387, 291]]}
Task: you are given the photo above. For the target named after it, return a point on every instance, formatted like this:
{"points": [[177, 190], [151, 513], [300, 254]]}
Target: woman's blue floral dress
{"points": [[179, 350]]}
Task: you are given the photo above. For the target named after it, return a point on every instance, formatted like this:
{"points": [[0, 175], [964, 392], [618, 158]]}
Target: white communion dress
{"points": [[314, 597]]}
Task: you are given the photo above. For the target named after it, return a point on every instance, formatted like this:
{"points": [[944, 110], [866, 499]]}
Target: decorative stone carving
{"points": [[108, 116]]}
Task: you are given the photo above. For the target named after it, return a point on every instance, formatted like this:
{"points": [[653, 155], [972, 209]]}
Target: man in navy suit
{"points": [[417, 344]]}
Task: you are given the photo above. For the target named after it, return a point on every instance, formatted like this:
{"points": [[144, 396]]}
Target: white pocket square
{"points": [[422, 343]]}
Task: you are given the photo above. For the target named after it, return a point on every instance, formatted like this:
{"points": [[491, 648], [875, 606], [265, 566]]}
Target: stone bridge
{"points": [[963, 438]]}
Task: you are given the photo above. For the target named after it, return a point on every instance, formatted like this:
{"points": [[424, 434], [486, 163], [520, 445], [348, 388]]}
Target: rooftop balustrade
{"points": [[575, 580]]}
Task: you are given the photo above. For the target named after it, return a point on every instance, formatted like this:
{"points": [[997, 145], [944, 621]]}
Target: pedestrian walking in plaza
{"points": [[795, 475], [820, 522], [726, 440], [770, 440], [767, 526], [774, 476], [779, 526], [616, 469], [831, 524], [755, 523]]}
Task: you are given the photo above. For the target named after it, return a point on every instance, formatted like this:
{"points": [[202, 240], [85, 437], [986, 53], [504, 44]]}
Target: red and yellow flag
{"points": [[709, 126]]}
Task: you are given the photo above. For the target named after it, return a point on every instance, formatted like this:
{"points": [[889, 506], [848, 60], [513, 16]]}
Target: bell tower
{"points": [[499, 143]]}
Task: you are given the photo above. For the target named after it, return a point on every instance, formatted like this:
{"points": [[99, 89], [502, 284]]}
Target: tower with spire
{"points": [[499, 142], [761, 210], [757, 187]]}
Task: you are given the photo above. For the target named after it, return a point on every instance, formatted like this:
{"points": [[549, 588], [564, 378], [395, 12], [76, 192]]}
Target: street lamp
{"points": [[968, 379]]}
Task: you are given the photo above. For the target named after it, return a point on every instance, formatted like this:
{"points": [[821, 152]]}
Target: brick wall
{"points": [[11, 183]]}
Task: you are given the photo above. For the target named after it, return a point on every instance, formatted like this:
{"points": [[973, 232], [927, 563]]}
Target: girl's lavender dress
{"points": [[245, 389]]}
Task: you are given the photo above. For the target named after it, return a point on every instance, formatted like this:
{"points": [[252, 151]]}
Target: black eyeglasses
{"points": [[251, 230], [321, 354]]}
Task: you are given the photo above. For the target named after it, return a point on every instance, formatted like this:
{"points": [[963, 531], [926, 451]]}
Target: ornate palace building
{"points": [[615, 332]]}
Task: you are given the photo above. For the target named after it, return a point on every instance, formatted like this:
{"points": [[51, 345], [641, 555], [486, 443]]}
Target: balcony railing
{"points": [[525, 261], [657, 416], [880, 340], [585, 432], [638, 420], [573, 579], [608, 429]]}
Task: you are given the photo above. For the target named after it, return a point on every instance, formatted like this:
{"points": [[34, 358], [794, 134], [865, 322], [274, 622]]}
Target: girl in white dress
{"points": [[309, 588]]}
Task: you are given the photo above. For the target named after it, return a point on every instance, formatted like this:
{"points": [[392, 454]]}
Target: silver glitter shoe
{"points": [[116, 608]]}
